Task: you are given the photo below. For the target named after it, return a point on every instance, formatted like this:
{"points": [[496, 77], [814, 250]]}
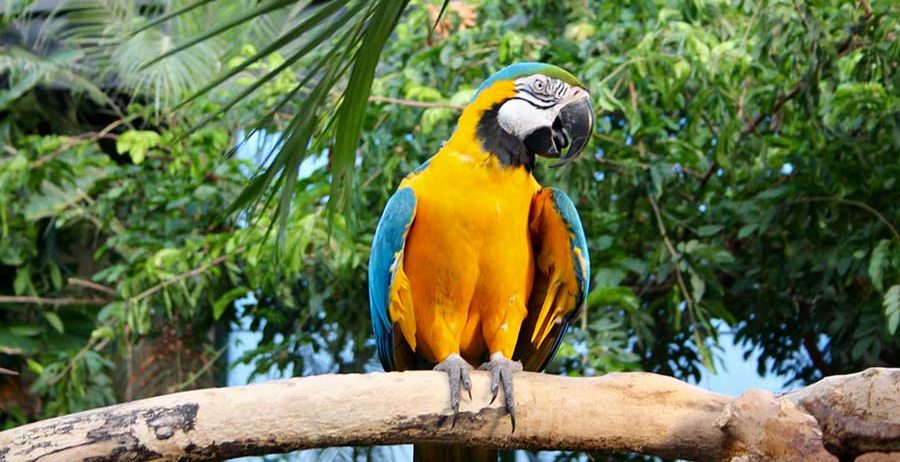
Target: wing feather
{"points": [[387, 282], [561, 277]]}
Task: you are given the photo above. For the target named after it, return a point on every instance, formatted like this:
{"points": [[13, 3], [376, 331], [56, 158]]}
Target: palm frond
{"points": [[178, 12], [268, 27], [325, 14], [102, 32], [440, 14], [313, 35], [13, 8], [27, 70], [178, 56], [353, 109], [244, 18], [166, 81]]}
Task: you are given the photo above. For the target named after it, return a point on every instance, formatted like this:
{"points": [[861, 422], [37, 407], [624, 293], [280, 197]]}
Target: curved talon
{"points": [[502, 370], [457, 370]]}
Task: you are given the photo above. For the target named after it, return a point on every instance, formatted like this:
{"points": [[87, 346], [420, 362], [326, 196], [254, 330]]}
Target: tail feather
{"points": [[452, 453]]}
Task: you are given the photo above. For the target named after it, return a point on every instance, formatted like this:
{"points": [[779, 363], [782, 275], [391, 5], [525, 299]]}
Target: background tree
{"points": [[742, 178]]}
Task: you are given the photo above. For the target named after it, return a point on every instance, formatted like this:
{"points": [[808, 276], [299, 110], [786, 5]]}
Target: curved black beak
{"points": [[573, 127]]}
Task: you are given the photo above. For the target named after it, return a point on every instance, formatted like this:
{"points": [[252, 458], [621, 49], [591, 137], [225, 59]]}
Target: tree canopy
{"points": [[741, 177]]}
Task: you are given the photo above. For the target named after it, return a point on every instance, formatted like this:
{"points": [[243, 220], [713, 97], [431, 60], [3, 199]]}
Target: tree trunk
{"points": [[857, 414]]}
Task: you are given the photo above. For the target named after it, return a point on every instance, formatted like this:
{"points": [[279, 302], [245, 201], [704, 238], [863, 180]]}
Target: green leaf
{"points": [[747, 230], [861, 347], [893, 321], [55, 276], [422, 93], [892, 308], [775, 193], [54, 321], [225, 300], [657, 176], [705, 353], [22, 282], [878, 262], [25, 330], [136, 143], [708, 230], [34, 366], [698, 287], [615, 296]]}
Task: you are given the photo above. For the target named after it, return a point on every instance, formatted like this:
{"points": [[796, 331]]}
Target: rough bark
{"points": [[857, 413], [639, 412]]}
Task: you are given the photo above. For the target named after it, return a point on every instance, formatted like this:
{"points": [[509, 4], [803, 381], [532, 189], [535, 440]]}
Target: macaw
{"points": [[473, 262]]}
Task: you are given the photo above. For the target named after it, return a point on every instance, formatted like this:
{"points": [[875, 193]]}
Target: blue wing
{"points": [[387, 248], [582, 262], [561, 277]]}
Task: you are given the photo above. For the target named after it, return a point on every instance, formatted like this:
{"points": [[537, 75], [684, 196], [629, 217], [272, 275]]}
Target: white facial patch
{"points": [[534, 106], [520, 118]]}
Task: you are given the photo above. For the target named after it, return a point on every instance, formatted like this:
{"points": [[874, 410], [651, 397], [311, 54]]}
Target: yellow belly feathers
{"points": [[468, 266]]}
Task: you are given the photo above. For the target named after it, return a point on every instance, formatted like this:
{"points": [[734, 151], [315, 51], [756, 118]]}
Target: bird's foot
{"points": [[458, 371], [502, 370]]}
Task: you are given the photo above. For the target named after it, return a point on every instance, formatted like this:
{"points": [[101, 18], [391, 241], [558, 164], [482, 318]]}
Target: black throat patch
{"points": [[510, 150]]}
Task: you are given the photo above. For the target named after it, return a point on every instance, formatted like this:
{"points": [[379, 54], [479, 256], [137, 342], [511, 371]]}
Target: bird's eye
{"points": [[539, 85]]}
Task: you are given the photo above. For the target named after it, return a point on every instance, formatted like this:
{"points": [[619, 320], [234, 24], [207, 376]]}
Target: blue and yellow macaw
{"points": [[473, 261]]}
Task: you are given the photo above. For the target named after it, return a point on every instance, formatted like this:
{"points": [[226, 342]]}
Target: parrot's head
{"points": [[530, 109]]}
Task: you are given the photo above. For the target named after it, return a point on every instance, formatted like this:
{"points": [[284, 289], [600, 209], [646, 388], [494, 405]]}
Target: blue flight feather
{"points": [[569, 214], [387, 246]]}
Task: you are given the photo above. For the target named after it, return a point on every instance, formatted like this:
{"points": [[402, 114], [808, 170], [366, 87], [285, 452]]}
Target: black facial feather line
{"points": [[509, 150]]}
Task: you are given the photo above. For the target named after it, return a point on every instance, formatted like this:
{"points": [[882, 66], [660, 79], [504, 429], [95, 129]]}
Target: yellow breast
{"points": [[468, 255]]}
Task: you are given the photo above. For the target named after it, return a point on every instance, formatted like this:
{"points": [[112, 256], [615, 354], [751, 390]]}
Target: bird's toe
{"points": [[457, 370], [502, 370]]}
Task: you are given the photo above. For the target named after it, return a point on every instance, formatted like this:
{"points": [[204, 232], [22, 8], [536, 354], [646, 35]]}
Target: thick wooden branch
{"points": [[857, 413], [637, 412]]}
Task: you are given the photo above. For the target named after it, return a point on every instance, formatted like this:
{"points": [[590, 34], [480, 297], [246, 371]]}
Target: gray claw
{"points": [[457, 370], [502, 370]]}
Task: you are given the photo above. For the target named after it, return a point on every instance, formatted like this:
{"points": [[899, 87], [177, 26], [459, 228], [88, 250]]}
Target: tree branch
{"points": [[636, 412], [51, 301], [188, 274], [78, 282], [679, 277], [96, 342], [853, 414], [78, 139], [749, 129], [862, 205]]}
